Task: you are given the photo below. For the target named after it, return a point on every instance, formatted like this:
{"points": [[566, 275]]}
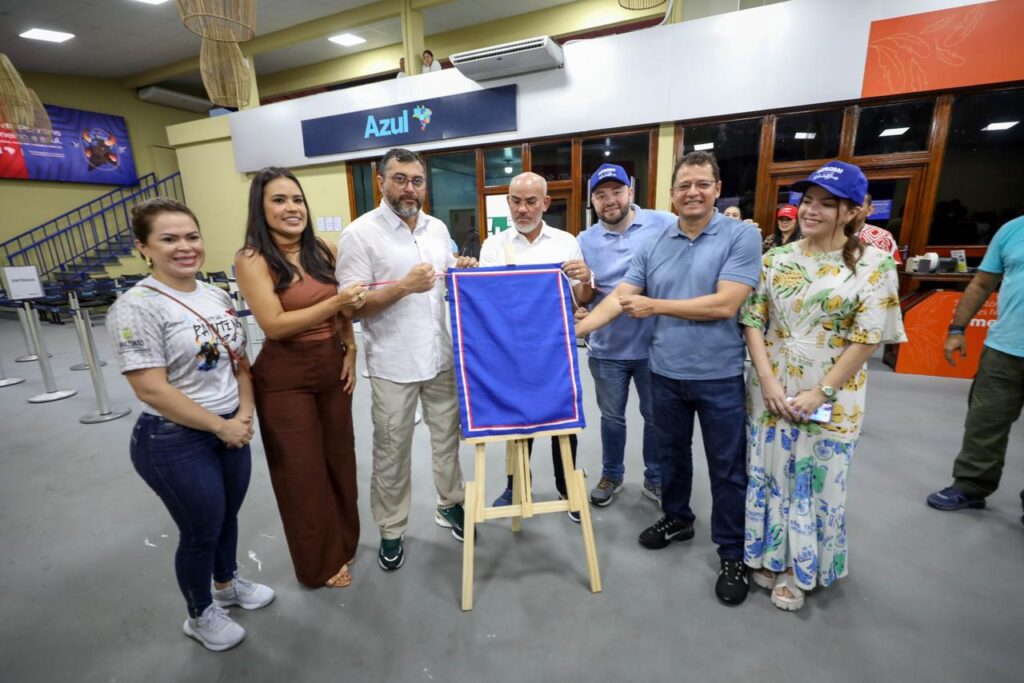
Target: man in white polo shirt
{"points": [[533, 241], [401, 254]]}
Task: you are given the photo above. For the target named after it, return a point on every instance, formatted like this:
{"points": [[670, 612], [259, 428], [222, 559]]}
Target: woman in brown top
{"points": [[304, 376]]}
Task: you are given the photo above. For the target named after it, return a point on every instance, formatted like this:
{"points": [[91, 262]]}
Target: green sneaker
{"points": [[451, 518], [391, 555]]}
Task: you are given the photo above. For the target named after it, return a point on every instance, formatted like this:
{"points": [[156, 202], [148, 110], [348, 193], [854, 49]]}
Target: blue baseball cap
{"points": [[607, 172], [839, 179]]}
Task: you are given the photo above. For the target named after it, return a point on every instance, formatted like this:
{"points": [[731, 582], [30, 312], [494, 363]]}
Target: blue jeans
{"points": [[611, 382], [721, 406], [202, 483]]}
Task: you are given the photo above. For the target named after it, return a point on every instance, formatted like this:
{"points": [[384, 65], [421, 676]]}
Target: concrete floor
{"points": [[89, 594]]}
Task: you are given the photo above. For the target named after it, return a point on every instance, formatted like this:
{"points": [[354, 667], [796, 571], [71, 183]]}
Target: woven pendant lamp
{"points": [[42, 127], [232, 21], [15, 102], [637, 5], [225, 73]]}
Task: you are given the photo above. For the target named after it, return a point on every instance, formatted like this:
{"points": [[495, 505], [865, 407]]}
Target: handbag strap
{"points": [[235, 358]]}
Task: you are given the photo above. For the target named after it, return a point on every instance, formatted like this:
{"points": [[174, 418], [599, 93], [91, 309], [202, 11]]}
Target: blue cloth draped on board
{"points": [[515, 350]]}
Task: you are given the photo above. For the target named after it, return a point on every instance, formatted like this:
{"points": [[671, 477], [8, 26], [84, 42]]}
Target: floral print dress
{"points": [[810, 307]]}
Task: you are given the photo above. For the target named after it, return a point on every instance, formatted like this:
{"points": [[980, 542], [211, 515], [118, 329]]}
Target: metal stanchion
{"points": [[76, 310], [30, 356], [105, 412], [6, 381], [52, 393]]}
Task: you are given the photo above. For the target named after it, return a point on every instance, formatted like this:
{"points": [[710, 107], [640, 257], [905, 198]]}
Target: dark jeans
{"points": [[720, 405], [202, 483], [556, 461], [994, 404], [611, 384]]}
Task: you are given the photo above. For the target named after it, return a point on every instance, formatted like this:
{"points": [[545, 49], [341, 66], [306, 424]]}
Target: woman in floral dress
{"points": [[823, 305]]}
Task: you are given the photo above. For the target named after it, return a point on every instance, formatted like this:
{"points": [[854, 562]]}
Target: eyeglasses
{"points": [[402, 180], [702, 185]]}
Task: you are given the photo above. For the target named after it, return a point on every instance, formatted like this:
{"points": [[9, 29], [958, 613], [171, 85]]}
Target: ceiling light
{"points": [[607, 152], [704, 146], [508, 170], [805, 136], [890, 132], [347, 39], [1001, 125], [49, 36], [152, 2]]}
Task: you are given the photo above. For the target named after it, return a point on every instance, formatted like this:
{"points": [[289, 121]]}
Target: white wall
{"points": [[783, 55]]}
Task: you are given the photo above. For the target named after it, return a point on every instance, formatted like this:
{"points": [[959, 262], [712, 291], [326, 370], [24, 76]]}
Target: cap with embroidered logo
{"points": [[838, 178], [606, 172], [786, 211]]}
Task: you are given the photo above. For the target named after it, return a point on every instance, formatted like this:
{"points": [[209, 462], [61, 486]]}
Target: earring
{"points": [[149, 261]]}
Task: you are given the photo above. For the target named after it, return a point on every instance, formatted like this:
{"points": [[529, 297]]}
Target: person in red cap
{"points": [[786, 229]]}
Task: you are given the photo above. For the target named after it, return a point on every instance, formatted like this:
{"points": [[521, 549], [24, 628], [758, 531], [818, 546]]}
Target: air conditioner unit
{"points": [[519, 57], [178, 100]]}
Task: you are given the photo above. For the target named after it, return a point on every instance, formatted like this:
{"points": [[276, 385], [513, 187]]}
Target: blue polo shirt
{"points": [[672, 266], [608, 254], [1005, 256]]}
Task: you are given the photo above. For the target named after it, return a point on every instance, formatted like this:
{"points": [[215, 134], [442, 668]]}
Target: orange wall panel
{"points": [[926, 325], [953, 48]]}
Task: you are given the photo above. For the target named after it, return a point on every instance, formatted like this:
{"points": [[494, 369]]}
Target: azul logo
{"points": [[395, 125], [828, 173]]}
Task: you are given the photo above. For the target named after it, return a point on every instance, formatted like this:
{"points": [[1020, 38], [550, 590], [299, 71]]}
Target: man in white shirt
{"points": [[532, 241], [401, 254]]}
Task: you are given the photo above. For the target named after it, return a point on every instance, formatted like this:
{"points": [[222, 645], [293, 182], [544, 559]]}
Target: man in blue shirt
{"points": [[692, 278], [618, 352], [997, 394]]}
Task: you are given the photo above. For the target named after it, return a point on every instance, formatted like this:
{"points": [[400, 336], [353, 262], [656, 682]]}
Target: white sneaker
{"points": [[244, 593], [214, 629]]}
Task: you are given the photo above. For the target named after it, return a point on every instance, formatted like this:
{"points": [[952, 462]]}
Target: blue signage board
{"points": [[881, 209], [86, 147], [441, 118]]}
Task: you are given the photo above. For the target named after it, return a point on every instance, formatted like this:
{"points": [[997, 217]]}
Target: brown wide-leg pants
{"points": [[305, 420]]}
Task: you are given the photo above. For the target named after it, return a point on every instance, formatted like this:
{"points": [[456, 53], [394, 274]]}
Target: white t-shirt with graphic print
{"points": [[151, 331]]}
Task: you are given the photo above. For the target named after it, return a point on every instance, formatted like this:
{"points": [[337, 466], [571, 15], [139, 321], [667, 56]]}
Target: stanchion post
{"points": [[6, 381], [30, 355], [52, 393], [104, 413], [76, 311]]}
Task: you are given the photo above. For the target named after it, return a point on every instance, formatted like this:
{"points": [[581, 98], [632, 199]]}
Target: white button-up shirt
{"points": [[408, 341], [551, 246]]}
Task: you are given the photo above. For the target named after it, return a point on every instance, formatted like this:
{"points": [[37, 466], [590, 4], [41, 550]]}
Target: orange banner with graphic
{"points": [[952, 48], [927, 325]]}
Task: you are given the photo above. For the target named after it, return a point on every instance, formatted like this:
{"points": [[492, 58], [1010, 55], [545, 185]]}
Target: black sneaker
{"points": [[451, 518], [664, 531], [574, 516], [732, 585], [391, 555]]}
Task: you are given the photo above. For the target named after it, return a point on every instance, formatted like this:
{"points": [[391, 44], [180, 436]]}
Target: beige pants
{"points": [[394, 411]]}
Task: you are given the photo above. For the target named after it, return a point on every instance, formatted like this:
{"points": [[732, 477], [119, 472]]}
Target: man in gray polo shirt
{"points": [[693, 277]]}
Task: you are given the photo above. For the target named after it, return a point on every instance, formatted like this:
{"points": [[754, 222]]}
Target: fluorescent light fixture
{"points": [[703, 147], [804, 136], [891, 132], [48, 36], [347, 39], [1001, 125], [152, 2]]}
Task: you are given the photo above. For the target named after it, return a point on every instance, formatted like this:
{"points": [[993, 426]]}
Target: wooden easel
{"points": [[517, 464]]}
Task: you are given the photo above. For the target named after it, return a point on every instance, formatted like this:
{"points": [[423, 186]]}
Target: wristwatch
{"points": [[956, 329], [829, 392]]}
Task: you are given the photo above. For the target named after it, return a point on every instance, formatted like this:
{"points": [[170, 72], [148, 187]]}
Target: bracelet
{"points": [[346, 347], [956, 329]]}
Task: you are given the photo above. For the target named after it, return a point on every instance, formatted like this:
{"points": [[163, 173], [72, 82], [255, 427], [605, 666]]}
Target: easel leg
{"points": [[577, 490], [516, 470], [480, 473], [468, 536]]}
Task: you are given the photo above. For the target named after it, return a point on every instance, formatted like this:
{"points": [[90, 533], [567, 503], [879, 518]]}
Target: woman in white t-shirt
{"points": [[180, 345]]}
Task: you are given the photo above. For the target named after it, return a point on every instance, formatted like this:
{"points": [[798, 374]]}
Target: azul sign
{"points": [[441, 118]]}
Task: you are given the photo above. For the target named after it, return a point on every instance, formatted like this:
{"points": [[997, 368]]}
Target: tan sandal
{"points": [[343, 579], [792, 597]]}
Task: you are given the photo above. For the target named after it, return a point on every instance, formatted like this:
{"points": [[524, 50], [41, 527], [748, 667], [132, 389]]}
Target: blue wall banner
{"points": [[441, 118], [87, 147], [516, 367]]}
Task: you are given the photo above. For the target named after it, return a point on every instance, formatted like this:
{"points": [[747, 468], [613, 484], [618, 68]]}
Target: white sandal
{"points": [[789, 603], [764, 577]]}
